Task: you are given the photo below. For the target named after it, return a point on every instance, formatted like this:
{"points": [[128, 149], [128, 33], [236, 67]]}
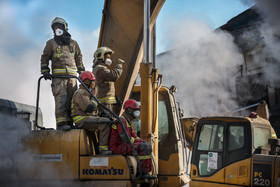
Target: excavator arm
{"points": [[122, 31]]}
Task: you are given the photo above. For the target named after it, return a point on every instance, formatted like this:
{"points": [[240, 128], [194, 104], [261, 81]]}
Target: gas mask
{"points": [[108, 61], [58, 32]]}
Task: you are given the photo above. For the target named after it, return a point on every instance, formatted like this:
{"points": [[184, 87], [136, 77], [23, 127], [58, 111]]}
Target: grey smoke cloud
{"points": [[270, 34], [20, 161], [11, 131], [202, 64]]}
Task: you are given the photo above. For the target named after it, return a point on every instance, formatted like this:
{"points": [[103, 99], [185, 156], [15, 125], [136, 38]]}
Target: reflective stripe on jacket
{"points": [[108, 100]]}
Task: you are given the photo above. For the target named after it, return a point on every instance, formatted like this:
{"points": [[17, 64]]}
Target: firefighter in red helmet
{"points": [[119, 144], [85, 114]]}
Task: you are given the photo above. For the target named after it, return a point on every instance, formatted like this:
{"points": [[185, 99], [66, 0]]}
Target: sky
{"points": [[25, 28]]}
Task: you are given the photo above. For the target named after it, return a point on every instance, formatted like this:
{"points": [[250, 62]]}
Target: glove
{"points": [[120, 61], [80, 70], [47, 75], [105, 115]]}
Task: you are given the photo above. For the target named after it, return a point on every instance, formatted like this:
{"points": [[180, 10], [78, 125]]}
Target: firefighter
{"points": [[119, 143], [66, 58], [106, 77], [85, 114]]}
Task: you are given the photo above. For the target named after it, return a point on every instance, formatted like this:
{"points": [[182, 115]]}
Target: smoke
{"points": [[270, 34], [22, 161], [20, 51], [11, 132], [201, 64]]}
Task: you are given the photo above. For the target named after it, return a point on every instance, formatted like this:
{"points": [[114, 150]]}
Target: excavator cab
{"points": [[233, 151]]}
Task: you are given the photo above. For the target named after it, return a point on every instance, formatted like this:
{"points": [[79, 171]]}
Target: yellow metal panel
{"points": [[50, 155], [207, 184], [104, 167], [228, 119], [109, 183], [169, 167], [146, 101], [217, 177], [173, 180], [86, 143], [239, 173]]}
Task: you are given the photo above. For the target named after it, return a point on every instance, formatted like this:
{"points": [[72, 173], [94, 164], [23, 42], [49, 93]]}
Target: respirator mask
{"points": [[58, 32], [108, 61], [136, 114]]}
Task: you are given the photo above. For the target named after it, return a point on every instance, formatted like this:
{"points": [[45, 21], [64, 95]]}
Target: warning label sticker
{"points": [[99, 161], [212, 160], [47, 157]]}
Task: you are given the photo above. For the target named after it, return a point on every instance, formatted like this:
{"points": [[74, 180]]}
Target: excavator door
{"points": [[221, 152]]}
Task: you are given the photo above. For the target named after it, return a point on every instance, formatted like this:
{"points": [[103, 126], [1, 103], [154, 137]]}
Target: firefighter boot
{"points": [[64, 127], [147, 176], [108, 152]]}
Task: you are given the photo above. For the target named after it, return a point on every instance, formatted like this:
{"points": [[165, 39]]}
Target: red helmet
{"points": [[87, 75], [131, 103]]}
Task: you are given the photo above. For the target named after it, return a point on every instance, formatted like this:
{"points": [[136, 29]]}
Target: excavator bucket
{"points": [[122, 31]]}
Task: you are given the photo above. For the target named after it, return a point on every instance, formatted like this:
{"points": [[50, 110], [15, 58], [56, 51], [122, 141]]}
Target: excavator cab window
{"points": [[236, 138], [261, 135], [163, 129]]}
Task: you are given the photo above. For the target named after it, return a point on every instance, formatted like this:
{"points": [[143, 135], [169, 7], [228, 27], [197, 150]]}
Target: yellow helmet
{"points": [[60, 21], [99, 54]]}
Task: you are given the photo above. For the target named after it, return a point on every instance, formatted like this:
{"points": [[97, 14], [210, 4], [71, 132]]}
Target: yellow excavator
{"points": [[51, 157], [223, 151], [233, 151]]}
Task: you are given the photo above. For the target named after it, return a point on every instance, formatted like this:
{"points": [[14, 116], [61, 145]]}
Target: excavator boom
{"points": [[122, 31]]}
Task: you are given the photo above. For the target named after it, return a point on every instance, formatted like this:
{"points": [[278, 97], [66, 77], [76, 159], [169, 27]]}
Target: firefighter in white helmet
{"points": [[105, 77], [85, 113], [66, 59]]}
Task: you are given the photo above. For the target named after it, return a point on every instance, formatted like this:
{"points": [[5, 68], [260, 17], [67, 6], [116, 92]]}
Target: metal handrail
{"points": [[99, 103]]}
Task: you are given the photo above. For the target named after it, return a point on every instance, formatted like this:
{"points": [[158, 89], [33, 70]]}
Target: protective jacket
{"points": [[66, 59], [80, 102], [105, 79], [119, 143]]}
